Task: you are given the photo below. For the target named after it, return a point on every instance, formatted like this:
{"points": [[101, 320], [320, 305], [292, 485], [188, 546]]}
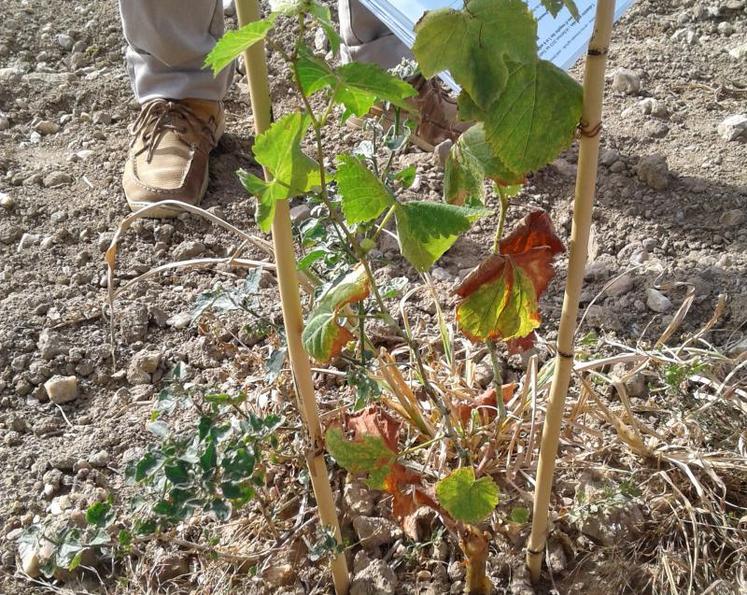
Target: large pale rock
{"points": [[62, 389]]}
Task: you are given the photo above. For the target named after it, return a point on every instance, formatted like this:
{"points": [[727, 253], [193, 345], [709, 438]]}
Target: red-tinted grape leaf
{"points": [[500, 297], [323, 336], [486, 404]]}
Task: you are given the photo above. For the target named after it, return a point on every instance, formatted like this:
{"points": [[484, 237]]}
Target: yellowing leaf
{"points": [[368, 454], [500, 297], [323, 336], [465, 498], [472, 160], [428, 229], [474, 44]]}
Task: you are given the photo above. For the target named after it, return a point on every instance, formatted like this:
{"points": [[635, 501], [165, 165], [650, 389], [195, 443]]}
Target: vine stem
{"points": [[591, 125], [497, 381], [501, 222], [317, 125], [282, 237]]}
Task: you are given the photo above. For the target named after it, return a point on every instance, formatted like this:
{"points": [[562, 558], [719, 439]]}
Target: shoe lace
{"points": [[161, 116]]}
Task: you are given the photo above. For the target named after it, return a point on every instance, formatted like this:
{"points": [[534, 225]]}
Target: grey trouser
{"points": [[168, 40]]}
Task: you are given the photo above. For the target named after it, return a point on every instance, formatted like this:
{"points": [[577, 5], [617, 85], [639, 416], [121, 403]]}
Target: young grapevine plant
{"points": [[523, 112]]}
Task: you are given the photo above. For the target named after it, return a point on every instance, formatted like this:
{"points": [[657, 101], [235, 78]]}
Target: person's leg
{"points": [[182, 114], [366, 38], [167, 44]]}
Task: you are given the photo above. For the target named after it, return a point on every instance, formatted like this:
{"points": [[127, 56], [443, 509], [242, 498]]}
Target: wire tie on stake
{"points": [[565, 355], [589, 132]]}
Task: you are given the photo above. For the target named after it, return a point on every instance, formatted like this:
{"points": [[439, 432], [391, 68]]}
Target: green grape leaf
{"points": [[314, 74], [555, 6], [367, 454], [407, 176], [474, 44], [471, 161], [465, 498], [519, 515], [535, 117], [233, 43], [428, 229], [500, 296], [357, 86], [293, 173], [360, 85], [323, 336], [364, 196]]}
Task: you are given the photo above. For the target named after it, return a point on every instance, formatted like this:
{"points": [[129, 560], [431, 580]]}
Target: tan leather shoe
{"points": [[168, 157], [434, 110]]}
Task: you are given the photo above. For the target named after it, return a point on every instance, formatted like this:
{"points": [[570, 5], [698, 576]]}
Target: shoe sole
{"points": [[167, 211]]}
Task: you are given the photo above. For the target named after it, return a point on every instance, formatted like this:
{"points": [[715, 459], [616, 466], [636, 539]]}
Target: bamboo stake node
{"points": [[588, 157], [288, 282]]}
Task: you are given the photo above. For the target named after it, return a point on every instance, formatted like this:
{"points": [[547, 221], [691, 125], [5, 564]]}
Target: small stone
{"points": [[626, 81], [739, 52], [733, 128], [621, 285], [651, 106], [375, 531], [12, 438], [441, 274], [102, 117], [655, 129], [62, 389], [279, 575], [50, 345], [564, 168], [188, 249], [9, 233], [180, 321], [11, 74], [4, 123], [57, 178], [321, 44], [376, 578], [653, 171], [7, 202], [441, 152], [99, 459], [64, 41], [46, 127], [657, 301], [725, 28], [300, 213], [733, 218], [142, 365], [358, 498], [105, 240]]}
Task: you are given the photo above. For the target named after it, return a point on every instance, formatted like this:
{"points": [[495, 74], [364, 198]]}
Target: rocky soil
{"points": [[672, 214]]}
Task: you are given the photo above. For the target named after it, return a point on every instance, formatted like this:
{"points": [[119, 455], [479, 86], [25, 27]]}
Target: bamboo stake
{"points": [[256, 69], [591, 126]]}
